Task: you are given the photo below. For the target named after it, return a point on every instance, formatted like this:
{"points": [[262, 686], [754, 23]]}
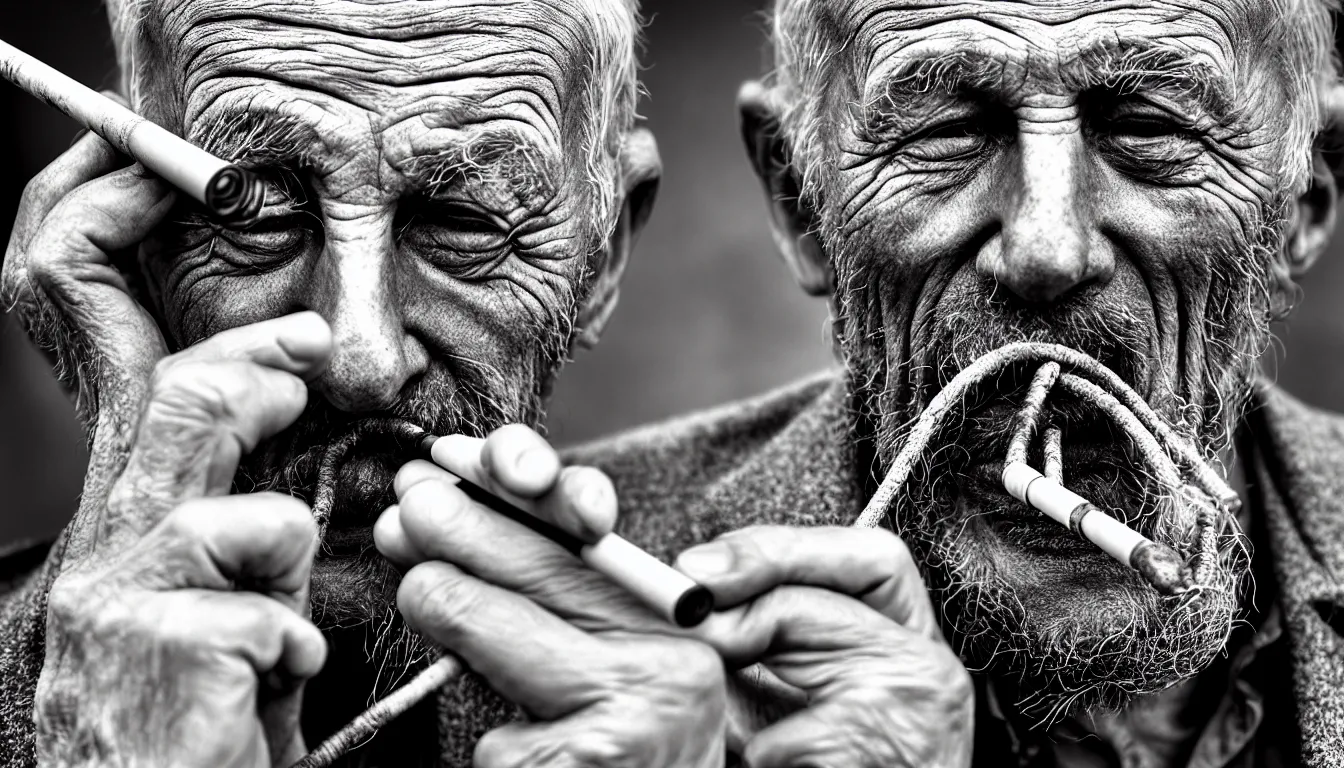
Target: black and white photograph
{"points": [[671, 384]]}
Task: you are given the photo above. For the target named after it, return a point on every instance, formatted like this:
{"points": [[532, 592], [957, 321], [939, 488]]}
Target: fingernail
{"points": [[706, 560], [533, 462], [307, 337], [595, 499]]}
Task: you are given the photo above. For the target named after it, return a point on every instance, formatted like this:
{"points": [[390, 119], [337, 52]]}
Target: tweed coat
{"points": [[785, 458]]}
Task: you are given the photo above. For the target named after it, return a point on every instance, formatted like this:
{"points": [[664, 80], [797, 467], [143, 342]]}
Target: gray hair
{"points": [[1299, 32]]}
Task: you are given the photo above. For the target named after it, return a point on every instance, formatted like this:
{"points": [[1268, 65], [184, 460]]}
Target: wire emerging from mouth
{"points": [[400, 435], [1169, 457]]}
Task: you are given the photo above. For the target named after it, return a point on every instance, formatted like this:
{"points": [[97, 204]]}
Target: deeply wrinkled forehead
{"points": [[380, 44], [1041, 39]]}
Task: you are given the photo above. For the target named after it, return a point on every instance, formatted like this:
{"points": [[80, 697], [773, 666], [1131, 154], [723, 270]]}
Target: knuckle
{"points": [[202, 388], [189, 521], [66, 603], [289, 516], [432, 594], [600, 749], [426, 503], [692, 665], [36, 188]]}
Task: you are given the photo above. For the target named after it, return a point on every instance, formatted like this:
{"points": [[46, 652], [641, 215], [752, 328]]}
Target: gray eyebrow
{"points": [[1125, 67], [500, 154], [257, 138], [922, 85]]}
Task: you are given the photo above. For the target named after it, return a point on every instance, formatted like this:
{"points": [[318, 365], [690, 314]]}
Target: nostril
{"points": [[1043, 285]]}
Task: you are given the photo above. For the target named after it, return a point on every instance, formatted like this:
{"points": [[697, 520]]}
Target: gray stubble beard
{"points": [[1060, 656]]}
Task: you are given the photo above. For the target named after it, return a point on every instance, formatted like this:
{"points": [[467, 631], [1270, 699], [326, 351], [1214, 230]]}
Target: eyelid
{"points": [[473, 210]]}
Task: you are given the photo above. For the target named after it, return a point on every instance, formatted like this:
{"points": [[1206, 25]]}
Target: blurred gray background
{"points": [[707, 313]]}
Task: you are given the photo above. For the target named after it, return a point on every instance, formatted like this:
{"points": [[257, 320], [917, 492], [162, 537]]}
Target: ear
{"points": [[641, 171], [1315, 221], [792, 221]]}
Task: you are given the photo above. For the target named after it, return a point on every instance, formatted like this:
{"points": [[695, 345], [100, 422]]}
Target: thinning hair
{"points": [[806, 38]]}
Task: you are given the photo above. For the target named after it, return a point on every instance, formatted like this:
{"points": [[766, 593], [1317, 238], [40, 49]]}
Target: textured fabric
{"points": [[785, 458]]}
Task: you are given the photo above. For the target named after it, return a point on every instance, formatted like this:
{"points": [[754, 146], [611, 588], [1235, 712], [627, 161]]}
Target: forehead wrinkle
{"points": [[361, 52], [1122, 67]]}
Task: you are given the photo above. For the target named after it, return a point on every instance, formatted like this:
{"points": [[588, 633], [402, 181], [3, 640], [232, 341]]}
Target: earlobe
{"points": [[641, 173], [792, 221]]}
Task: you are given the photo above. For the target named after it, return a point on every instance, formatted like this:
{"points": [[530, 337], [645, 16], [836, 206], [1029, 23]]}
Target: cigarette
{"points": [[669, 592], [1159, 564], [232, 195]]}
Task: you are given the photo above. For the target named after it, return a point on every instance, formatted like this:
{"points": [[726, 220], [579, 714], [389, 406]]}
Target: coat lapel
{"points": [[1299, 464]]}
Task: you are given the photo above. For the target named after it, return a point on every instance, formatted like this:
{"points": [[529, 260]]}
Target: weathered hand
{"points": [[177, 630], [180, 635], [608, 683], [843, 615]]}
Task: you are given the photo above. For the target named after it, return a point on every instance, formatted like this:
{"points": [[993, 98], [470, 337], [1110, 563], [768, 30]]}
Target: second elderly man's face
{"points": [[428, 193], [1101, 175]]}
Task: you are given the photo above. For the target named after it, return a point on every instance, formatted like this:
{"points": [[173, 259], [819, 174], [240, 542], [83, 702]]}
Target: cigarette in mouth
{"points": [[1159, 564], [669, 592], [231, 194]]}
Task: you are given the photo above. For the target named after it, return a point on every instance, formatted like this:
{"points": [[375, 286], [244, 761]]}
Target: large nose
{"points": [[355, 287], [1046, 247]]}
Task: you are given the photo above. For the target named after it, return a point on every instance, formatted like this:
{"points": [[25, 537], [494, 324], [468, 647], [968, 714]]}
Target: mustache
{"points": [[471, 398], [989, 317]]}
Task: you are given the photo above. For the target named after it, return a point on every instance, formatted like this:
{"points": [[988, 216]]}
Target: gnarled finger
{"points": [[520, 461], [792, 618], [87, 159], [864, 733], [508, 639], [262, 541], [442, 523], [873, 565], [582, 501], [299, 343]]}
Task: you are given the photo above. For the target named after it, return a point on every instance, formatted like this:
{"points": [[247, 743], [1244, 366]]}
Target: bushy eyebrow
{"points": [[492, 156], [264, 138], [922, 85], [258, 138], [1145, 66]]}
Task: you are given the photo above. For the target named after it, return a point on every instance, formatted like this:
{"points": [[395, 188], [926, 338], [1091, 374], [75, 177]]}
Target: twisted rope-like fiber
{"points": [[1182, 452], [989, 364], [1167, 472], [1208, 546], [1053, 454], [930, 421], [1029, 416], [397, 703]]}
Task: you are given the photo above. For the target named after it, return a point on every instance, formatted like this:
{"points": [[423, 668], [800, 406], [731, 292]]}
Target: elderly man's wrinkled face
{"points": [[443, 179], [1106, 176]]}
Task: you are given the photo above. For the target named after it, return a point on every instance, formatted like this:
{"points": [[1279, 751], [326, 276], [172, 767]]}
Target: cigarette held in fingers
{"points": [[231, 194], [669, 592], [1159, 564]]}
